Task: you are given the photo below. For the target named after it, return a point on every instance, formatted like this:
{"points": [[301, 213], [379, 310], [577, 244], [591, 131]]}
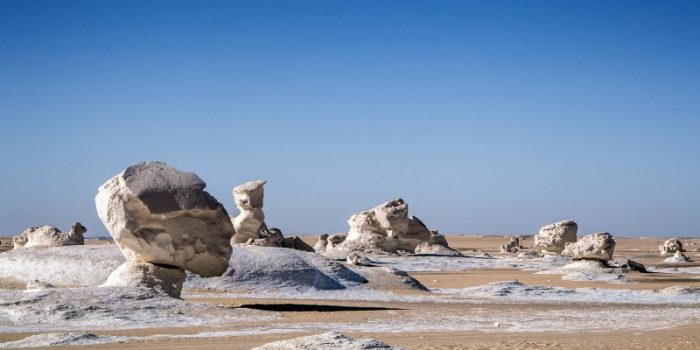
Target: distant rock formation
{"points": [[250, 226], [553, 237], [249, 200], [325, 341], [511, 247], [387, 228], [597, 246], [328, 242], [49, 236], [671, 246], [162, 217]]}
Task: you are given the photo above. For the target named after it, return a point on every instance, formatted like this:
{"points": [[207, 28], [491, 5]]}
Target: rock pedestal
{"points": [[163, 220], [553, 237]]}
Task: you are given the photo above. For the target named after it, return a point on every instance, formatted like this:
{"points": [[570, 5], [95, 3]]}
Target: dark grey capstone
{"points": [[163, 188]]}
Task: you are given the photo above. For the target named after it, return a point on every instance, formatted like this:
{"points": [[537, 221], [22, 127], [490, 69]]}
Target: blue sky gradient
{"points": [[486, 116]]}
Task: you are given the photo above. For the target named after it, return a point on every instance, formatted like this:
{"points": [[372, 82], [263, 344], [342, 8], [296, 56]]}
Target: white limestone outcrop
{"points": [[355, 258], [598, 246], [388, 228], [511, 247], [671, 246], [249, 200], [250, 226], [678, 258], [49, 236], [162, 216], [553, 237]]}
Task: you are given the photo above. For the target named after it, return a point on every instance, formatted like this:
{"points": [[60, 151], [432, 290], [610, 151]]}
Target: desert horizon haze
{"points": [[490, 117]]}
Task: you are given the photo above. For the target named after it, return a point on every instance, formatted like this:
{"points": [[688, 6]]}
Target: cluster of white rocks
{"points": [[386, 228], [164, 223], [49, 236]]}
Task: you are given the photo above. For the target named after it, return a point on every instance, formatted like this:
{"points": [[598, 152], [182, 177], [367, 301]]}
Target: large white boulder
{"points": [[160, 215], [671, 246], [553, 237], [49, 236], [386, 228], [599, 246], [249, 200]]}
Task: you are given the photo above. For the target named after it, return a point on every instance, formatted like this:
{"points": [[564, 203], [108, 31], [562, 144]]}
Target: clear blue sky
{"points": [[486, 116]]}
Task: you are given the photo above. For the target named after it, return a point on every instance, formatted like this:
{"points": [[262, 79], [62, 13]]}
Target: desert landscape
{"points": [[350, 174], [180, 273]]}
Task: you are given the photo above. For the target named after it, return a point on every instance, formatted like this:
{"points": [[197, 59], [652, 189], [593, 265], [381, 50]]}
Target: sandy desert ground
{"points": [[474, 302]]}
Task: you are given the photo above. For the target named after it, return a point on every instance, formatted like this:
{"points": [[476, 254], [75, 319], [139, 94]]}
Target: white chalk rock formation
{"points": [[250, 226], [132, 274], [249, 200], [598, 246], [428, 248], [160, 215], [325, 341], [386, 228], [671, 246], [164, 223], [49, 236], [355, 258], [553, 237], [321, 244], [511, 247], [678, 258]]}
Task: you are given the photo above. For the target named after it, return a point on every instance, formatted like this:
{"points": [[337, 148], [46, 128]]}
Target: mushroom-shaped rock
{"points": [[511, 247], [249, 200], [553, 237], [671, 246], [386, 228], [599, 246], [160, 215], [49, 236]]}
